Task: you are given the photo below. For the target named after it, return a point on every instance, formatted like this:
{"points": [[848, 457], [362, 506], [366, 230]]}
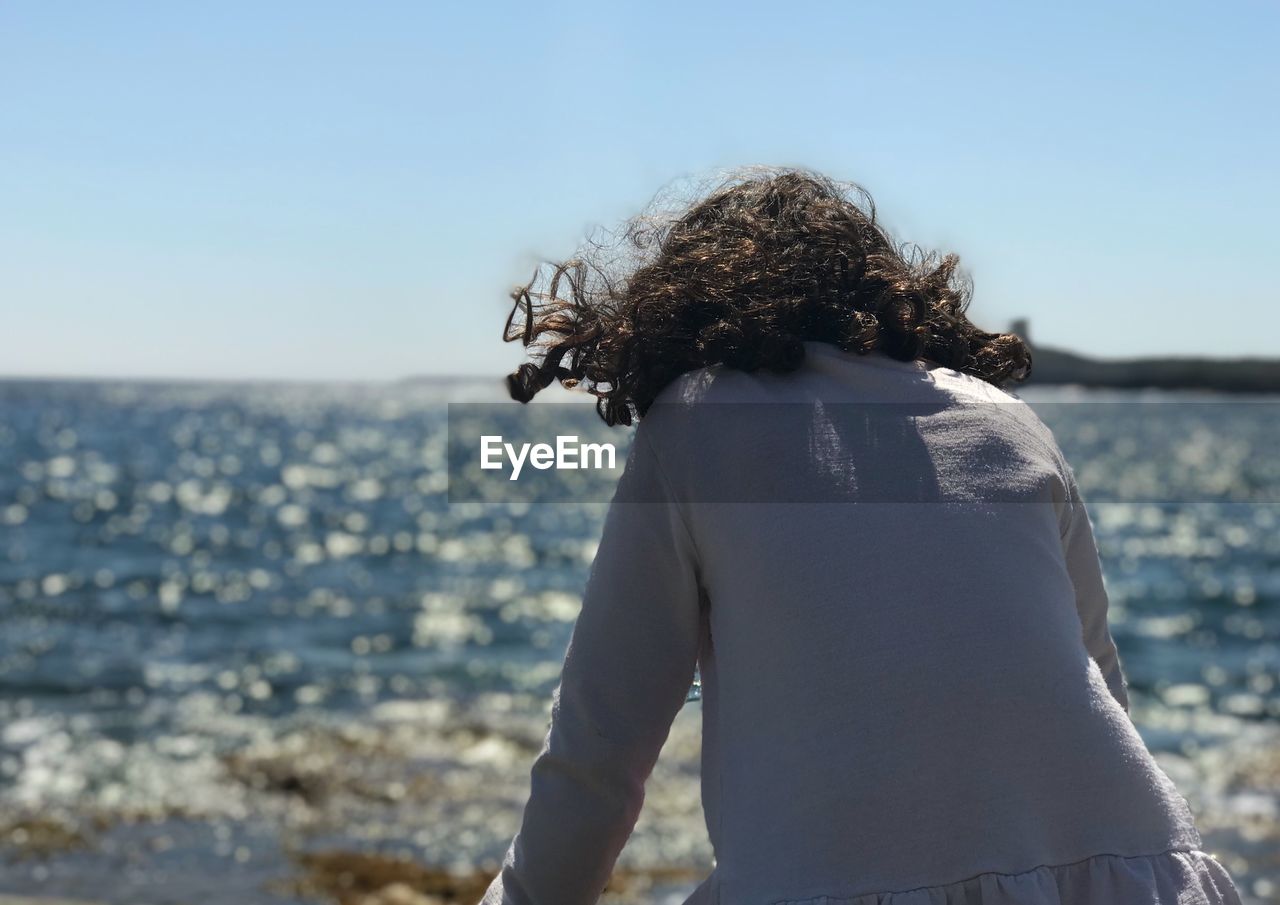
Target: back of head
{"points": [[743, 277]]}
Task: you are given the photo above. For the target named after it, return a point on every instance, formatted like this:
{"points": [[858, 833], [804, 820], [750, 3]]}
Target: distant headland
{"points": [[1225, 375], [1052, 366]]}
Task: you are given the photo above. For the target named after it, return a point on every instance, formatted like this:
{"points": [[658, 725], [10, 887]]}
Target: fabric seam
{"points": [[826, 897], [697, 553]]}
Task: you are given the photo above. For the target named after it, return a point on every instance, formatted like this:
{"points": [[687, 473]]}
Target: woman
{"points": [[879, 560]]}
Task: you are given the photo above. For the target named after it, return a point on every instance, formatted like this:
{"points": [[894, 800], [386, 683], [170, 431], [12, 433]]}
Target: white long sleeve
{"points": [[626, 674], [1085, 567], [901, 625]]}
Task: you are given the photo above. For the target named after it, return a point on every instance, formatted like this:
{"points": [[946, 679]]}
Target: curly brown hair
{"points": [[767, 260]]}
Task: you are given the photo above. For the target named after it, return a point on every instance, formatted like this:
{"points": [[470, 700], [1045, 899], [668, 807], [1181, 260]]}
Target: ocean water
{"points": [[251, 653]]}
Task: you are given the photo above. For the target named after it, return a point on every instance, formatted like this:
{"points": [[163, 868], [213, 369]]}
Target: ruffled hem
{"points": [[1178, 877]]}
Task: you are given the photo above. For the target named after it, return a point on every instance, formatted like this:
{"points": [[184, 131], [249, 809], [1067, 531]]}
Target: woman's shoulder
{"points": [[1015, 418], [696, 417]]}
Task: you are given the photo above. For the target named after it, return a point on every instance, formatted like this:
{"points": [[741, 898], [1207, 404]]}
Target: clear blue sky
{"points": [[324, 190]]}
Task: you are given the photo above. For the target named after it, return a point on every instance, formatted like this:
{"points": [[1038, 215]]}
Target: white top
{"points": [[910, 691]]}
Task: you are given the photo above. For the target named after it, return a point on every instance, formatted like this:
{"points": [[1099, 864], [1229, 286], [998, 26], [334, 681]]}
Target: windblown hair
{"points": [[741, 278]]}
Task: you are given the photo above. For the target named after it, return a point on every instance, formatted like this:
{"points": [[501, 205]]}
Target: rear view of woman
{"points": [[879, 560]]}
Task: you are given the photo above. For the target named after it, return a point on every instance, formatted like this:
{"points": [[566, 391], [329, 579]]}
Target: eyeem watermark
{"points": [[566, 455], [545, 453], [1126, 450]]}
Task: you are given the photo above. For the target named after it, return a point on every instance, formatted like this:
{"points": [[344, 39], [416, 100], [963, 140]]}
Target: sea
{"points": [[252, 652]]}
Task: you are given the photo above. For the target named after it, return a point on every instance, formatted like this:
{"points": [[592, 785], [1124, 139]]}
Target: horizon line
{"points": [[499, 377]]}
